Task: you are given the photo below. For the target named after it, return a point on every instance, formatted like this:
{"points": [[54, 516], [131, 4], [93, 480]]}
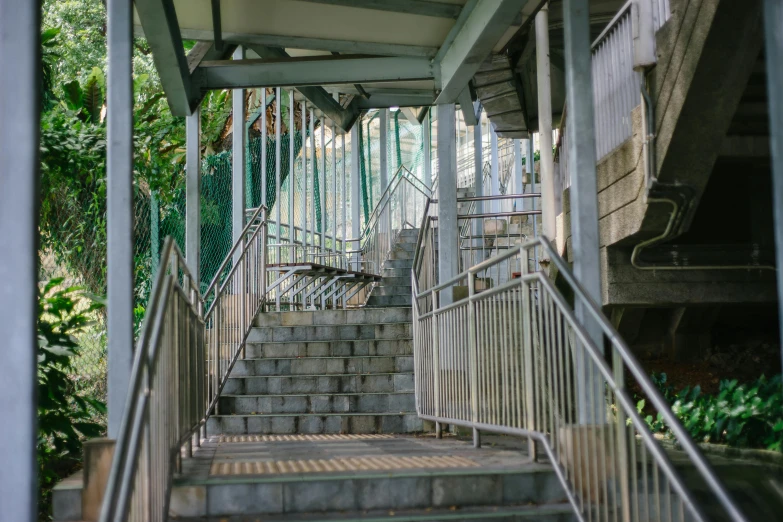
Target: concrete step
{"points": [[546, 513], [396, 281], [387, 347], [404, 245], [389, 273], [319, 384], [399, 253], [334, 317], [405, 263], [530, 492], [322, 365], [314, 423], [327, 403], [347, 332], [382, 301], [409, 232], [392, 290]]}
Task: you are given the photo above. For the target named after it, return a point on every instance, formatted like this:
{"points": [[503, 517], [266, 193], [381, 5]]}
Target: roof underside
{"points": [[406, 53]]}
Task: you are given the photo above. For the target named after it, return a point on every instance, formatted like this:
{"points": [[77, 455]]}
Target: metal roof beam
{"points": [[417, 7], [386, 101], [316, 70], [206, 51], [466, 105], [474, 36], [159, 21], [343, 117], [316, 44]]}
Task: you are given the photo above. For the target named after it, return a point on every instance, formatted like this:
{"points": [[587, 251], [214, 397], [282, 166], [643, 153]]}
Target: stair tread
{"points": [[316, 375], [322, 357], [329, 394]]}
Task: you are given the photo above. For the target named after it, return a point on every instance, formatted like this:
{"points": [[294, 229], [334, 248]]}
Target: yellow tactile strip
{"points": [[344, 464], [298, 438]]}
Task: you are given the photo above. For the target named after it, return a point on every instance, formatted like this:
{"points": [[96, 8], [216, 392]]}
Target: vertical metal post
{"points": [[291, 179], [305, 175], [478, 184], [323, 184], [119, 206], [473, 358], [527, 353], [427, 149], [519, 187], [545, 123], [584, 200], [155, 232], [448, 231], [193, 194], [334, 190], [344, 199], [494, 168], [384, 148], [773, 35], [436, 339], [238, 140], [20, 61], [278, 174], [356, 150], [313, 158], [263, 147]]}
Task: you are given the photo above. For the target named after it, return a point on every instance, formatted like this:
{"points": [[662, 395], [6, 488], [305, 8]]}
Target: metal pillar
{"points": [[20, 62], [119, 207], [278, 173], [773, 22], [448, 231], [238, 140], [427, 149], [494, 179], [545, 123], [344, 198], [305, 175], [291, 180], [356, 232], [193, 194], [313, 159], [519, 187], [322, 184], [334, 189], [584, 200], [384, 150], [478, 186], [263, 147]]}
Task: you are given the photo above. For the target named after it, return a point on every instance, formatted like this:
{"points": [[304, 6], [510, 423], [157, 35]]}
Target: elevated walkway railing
{"points": [[519, 359], [167, 398]]}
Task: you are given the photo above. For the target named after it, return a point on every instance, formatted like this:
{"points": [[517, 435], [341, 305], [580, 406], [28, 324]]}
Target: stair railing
{"points": [[516, 359], [399, 207], [167, 398], [236, 294]]}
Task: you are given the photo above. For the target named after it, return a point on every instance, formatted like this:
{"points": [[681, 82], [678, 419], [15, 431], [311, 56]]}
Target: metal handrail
{"points": [[516, 359], [167, 398]]}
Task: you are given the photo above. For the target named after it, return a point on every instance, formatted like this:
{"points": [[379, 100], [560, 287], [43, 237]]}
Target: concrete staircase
{"points": [[331, 371], [395, 288]]}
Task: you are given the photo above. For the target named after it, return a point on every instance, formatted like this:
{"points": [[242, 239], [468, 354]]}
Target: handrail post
{"points": [[473, 358], [216, 353], [623, 461], [264, 232], [436, 363], [527, 351]]}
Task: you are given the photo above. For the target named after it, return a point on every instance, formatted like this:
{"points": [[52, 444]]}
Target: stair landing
{"points": [[367, 477]]}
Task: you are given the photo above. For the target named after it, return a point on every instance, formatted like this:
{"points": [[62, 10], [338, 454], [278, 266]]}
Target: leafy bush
{"points": [[742, 415], [66, 415]]}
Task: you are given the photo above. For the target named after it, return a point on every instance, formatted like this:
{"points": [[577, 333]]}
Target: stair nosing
{"points": [[319, 375], [331, 394]]}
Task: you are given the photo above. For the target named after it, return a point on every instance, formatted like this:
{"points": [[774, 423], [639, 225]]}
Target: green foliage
{"points": [[66, 415], [743, 415]]}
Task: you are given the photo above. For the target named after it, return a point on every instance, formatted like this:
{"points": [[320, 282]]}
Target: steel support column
{"points": [[356, 232], [773, 30], [384, 148], [278, 172], [519, 187], [448, 231], [545, 123], [494, 179], [291, 176], [427, 149], [119, 207], [305, 175], [584, 199], [193, 194], [20, 61], [238, 140]]}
